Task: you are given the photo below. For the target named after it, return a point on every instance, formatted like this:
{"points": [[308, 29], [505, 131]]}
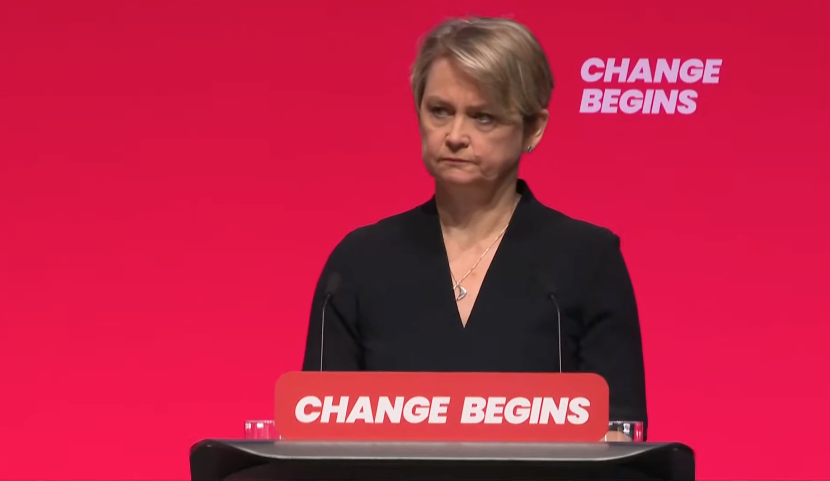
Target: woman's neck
{"points": [[471, 214]]}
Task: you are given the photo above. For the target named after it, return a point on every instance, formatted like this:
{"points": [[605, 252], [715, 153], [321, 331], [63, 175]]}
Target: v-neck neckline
{"points": [[507, 240], [481, 296]]}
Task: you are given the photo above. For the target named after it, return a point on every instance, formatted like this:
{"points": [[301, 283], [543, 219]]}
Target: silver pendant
{"points": [[462, 293]]}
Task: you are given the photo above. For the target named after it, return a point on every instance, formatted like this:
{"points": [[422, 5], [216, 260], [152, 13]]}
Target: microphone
{"points": [[550, 291], [332, 285]]}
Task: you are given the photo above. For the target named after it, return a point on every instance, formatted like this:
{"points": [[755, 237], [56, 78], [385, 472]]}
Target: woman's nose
{"points": [[457, 137]]}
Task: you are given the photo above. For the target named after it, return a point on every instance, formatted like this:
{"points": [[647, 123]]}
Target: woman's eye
{"points": [[439, 111], [484, 118]]}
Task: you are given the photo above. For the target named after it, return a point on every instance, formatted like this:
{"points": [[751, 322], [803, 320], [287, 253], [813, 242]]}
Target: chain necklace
{"points": [[458, 289]]}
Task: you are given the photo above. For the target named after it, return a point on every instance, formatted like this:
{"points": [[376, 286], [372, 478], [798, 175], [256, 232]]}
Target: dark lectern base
{"points": [[271, 472], [350, 461]]}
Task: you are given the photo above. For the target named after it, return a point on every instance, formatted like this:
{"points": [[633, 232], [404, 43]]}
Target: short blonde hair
{"points": [[501, 55]]}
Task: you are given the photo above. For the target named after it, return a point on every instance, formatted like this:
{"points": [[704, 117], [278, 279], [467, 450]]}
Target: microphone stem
{"points": [[323, 328], [558, 328]]}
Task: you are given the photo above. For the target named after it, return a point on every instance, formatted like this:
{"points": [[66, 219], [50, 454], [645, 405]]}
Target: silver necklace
{"points": [[461, 292], [458, 289]]}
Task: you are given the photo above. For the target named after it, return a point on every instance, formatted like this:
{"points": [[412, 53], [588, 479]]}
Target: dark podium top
{"points": [[432, 461]]}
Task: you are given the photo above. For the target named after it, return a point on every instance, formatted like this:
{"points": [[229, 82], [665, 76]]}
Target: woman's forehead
{"points": [[458, 91]]}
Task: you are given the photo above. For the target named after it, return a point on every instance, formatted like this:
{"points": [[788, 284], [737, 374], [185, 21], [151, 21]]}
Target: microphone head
{"points": [[546, 282], [333, 283]]}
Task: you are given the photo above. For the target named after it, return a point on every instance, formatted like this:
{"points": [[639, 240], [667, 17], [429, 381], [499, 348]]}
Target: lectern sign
{"points": [[406, 406]]}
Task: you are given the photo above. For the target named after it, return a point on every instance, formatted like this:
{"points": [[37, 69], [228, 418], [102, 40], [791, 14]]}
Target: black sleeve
{"points": [[611, 345], [340, 341]]}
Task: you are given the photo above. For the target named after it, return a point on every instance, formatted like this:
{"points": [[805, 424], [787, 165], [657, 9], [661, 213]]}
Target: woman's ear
{"points": [[535, 129]]}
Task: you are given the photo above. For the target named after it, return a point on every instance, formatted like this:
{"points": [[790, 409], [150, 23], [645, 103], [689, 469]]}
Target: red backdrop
{"points": [[173, 175]]}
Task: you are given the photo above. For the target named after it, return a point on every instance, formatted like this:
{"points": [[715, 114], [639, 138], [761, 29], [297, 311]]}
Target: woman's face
{"points": [[463, 137]]}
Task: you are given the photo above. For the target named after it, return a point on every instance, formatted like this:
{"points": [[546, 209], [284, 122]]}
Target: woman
{"points": [[465, 281]]}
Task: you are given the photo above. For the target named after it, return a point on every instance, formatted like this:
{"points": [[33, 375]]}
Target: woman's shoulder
{"points": [[571, 232], [388, 231]]}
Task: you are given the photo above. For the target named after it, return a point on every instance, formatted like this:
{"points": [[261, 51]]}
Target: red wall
{"points": [[173, 175]]}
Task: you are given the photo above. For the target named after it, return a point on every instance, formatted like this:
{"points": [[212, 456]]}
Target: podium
{"points": [[213, 460], [411, 426]]}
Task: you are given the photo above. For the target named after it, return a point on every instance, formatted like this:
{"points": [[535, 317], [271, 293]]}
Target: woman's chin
{"points": [[457, 177]]}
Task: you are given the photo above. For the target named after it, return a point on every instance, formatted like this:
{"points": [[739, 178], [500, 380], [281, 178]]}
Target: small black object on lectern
{"points": [[214, 460]]}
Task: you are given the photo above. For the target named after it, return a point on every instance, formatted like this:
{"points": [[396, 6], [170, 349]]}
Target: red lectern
{"points": [[387, 426]]}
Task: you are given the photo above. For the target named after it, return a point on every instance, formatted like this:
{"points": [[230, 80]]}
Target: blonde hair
{"points": [[501, 55]]}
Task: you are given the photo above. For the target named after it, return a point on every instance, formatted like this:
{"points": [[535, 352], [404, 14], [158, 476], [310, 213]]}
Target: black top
{"points": [[394, 308]]}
